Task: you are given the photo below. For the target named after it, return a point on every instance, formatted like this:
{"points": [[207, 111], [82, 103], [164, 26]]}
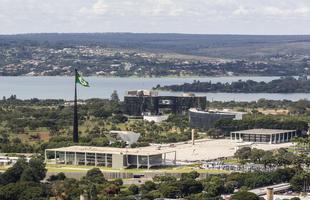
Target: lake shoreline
{"points": [[219, 92], [61, 87], [155, 77]]}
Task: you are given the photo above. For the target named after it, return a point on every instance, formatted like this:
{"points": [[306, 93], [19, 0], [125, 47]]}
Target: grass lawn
{"points": [[231, 161], [181, 169], [3, 168]]}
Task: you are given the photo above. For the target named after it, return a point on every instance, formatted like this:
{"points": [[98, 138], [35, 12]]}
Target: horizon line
{"points": [[159, 33]]}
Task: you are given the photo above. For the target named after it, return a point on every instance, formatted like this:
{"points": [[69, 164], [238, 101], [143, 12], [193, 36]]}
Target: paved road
{"points": [[276, 188]]}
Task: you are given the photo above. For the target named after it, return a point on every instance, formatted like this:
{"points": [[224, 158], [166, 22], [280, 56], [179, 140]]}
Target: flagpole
{"points": [[75, 114]]}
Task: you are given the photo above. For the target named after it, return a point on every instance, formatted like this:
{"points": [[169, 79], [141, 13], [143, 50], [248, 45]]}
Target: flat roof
{"points": [[214, 112], [150, 150], [124, 132], [263, 131], [165, 96]]}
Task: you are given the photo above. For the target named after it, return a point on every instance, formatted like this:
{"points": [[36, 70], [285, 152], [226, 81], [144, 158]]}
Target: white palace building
{"points": [[272, 136]]}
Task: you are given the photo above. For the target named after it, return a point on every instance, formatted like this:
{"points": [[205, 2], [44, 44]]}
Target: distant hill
{"points": [[153, 55], [223, 46]]}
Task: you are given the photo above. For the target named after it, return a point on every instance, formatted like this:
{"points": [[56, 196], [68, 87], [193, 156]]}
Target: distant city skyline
{"points": [[257, 17]]}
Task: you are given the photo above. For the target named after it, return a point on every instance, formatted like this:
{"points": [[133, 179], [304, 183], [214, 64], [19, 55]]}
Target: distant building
{"points": [[155, 118], [4, 161], [271, 136], [7, 160], [126, 136], [138, 102], [116, 158], [71, 103], [204, 120]]}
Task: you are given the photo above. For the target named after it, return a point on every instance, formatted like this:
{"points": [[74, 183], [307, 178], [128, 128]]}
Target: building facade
{"points": [[272, 136], [155, 118], [139, 102], [204, 120], [126, 136], [116, 158]]}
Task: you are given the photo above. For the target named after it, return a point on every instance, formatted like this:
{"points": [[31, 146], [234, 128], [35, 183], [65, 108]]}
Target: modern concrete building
{"points": [[204, 120], [127, 136], [116, 158], [8, 160], [143, 102], [271, 136], [155, 118]]}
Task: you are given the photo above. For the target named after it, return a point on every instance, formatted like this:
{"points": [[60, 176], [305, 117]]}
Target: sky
{"points": [[278, 17]]}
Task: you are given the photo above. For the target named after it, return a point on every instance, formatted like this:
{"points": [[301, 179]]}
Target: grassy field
{"points": [[172, 169], [232, 161], [182, 169]]}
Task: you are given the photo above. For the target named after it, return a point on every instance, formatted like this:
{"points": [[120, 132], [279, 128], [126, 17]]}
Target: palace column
{"points": [[85, 157], [95, 159], [75, 160], [148, 162], [164, 158], [270, 139], [275, 138], [106, 159]]}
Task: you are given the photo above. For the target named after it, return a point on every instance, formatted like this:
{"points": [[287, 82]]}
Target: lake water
{"points": [[102, 87]]}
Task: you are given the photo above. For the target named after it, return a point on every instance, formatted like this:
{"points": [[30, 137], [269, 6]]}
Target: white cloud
{"points": [[241, 11], [191, 16], [286, 12], [100, 7]]}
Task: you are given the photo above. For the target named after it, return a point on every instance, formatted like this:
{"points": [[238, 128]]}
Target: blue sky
{"points": [[156, 16]]}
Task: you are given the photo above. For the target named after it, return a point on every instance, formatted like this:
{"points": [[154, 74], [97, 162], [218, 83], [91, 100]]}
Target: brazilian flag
{"points": [[79, 79]]}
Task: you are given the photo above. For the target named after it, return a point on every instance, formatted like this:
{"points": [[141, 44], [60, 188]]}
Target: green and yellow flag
{"points": [[79, 79]]}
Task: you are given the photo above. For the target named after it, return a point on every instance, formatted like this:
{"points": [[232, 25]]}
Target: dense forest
{"points": [[282, 85], [23, 181]]}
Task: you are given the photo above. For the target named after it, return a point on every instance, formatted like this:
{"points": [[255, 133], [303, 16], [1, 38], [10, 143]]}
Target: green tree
{"points": [[214, 186], [257, 154], [148, 186], [244, 195], [213, 133], [23, 191], [118, 182], [268, 159], [111, 189], [243, 153], [14, 173], [95, 176], [170, 191], [168, 179], [67, 189], [134, 189], [190, 175], [35, 171], [114, 96], [300, 182], [58, 177]]}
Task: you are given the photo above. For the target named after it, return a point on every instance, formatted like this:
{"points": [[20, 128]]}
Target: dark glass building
{"points": [[204, 120], [138, 102]]}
